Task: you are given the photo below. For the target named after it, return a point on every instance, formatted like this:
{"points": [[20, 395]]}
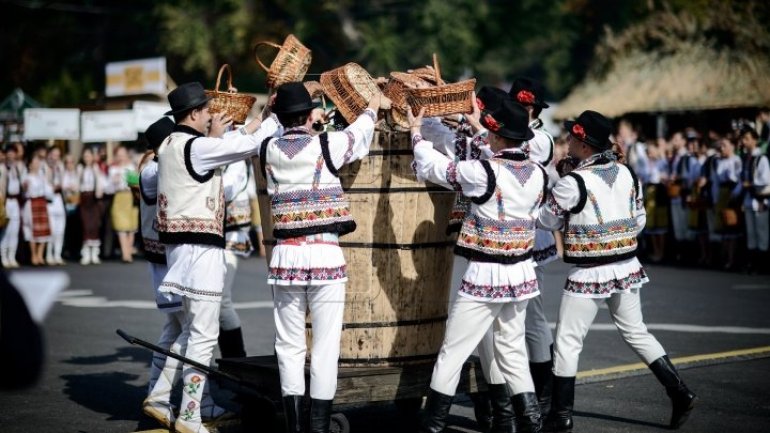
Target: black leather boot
{"points": [[542, 376], [231, 343], [682, 399], [527, 412], [436, 412], [502, 409], [482, 410], [559, 419], [320, 414], [292, 412]]}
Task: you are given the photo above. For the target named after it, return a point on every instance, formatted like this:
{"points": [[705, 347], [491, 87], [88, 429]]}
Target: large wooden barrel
{"points": [[399, 258]]}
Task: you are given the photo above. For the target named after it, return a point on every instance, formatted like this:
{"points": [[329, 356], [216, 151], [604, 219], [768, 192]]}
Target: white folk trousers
{"points": [[576, 315], [228, 317], [326, 304], [469, 320], [538, 333]]}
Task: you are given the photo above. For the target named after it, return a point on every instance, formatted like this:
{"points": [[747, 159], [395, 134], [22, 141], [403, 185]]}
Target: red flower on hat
{"points": [[479, 104], [525, 97], [578, 131], [491, 123]]}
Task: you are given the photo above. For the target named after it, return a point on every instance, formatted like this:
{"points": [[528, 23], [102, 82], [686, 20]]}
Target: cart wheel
{"points": [[339, 423]]}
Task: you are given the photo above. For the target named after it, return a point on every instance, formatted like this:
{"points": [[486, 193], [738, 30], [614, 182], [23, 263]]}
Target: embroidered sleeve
{"points": [[451, 176], [353, 143]]}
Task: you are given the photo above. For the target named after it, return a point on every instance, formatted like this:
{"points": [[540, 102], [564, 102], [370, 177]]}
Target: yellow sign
{"points": [[136, 77]]}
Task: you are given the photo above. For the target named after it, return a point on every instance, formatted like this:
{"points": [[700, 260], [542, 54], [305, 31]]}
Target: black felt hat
{"points": [[185, 97], [158, 131], [527, 91], [510, 120], [489, 99], [591, 128], [292, 98]]}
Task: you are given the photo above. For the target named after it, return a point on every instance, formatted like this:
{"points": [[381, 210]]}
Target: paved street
{"points": [[94, 382]]}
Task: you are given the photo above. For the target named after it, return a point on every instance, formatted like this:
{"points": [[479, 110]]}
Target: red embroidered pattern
{"points": [[312, 274], [607, 287], [499, 292]]}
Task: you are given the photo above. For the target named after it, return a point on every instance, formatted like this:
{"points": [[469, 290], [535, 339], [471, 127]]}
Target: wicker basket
{"points": [[428, 74], [397, 120], [397, 85], [351, 88], [236, 105], [443, 99], [291, 63]]}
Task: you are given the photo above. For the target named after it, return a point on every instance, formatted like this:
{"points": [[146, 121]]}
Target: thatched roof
{"points": [[673, 63]]}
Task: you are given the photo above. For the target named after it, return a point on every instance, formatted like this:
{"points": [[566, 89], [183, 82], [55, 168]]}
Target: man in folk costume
{"points": [[493, 409], [529, 93], [497, 236], [235, 178], [755, 178], [600, 208], [190, 219], [683, 173], [10, 240], [307, 269], [158, 402]]}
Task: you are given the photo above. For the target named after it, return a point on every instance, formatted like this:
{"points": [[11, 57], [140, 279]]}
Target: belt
{"points": [[14, 196], [320, 238]]}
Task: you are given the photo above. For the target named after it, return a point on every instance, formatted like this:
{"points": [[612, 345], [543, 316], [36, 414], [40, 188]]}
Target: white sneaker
{"points": [[13, 264], [85, 257], [95, 255]]}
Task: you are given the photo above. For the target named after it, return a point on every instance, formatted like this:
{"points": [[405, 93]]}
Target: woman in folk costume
{"points": [[726, 190], [529, 93], [69, 190], [235, 178], [91, 188], [13, 191], [56, 212], [37, 190], [599, 206], [307, 270], [158, 402], [497, 236], [190, 218], [123, 213], [684, 170], [756, 199]]}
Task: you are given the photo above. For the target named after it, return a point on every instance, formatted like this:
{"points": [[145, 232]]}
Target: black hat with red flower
{"points": [[527, 91], [591, 128], [510, 120], [490, 98]]}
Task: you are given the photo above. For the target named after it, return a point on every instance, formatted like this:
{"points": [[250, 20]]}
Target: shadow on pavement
{"points": [[107, 393], [620, 419], [123, 354]]}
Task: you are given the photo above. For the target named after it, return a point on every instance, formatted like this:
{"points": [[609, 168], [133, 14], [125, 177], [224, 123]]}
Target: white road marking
{"points": [[692, 329], [85, 299], [751, 287]]}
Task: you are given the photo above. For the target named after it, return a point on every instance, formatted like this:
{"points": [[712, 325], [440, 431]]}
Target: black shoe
{"points": [[527, 412], [682, 399], [292, 412], [502, 409], [231, 343], [320, 415], [437, 407], [542, 376], [560, 418]]}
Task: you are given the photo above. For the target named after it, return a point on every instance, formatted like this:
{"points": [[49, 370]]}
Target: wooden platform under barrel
{"points": [[399, 258]]}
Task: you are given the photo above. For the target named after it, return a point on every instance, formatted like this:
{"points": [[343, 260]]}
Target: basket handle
{"points": [[436, 70], [256, 47], [229, 78]]}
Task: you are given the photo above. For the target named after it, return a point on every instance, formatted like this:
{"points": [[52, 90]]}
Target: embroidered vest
{"points": [[191, 207], [500, 226], [154, 251], [306, 196], [238, 210], [602, 227]]}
